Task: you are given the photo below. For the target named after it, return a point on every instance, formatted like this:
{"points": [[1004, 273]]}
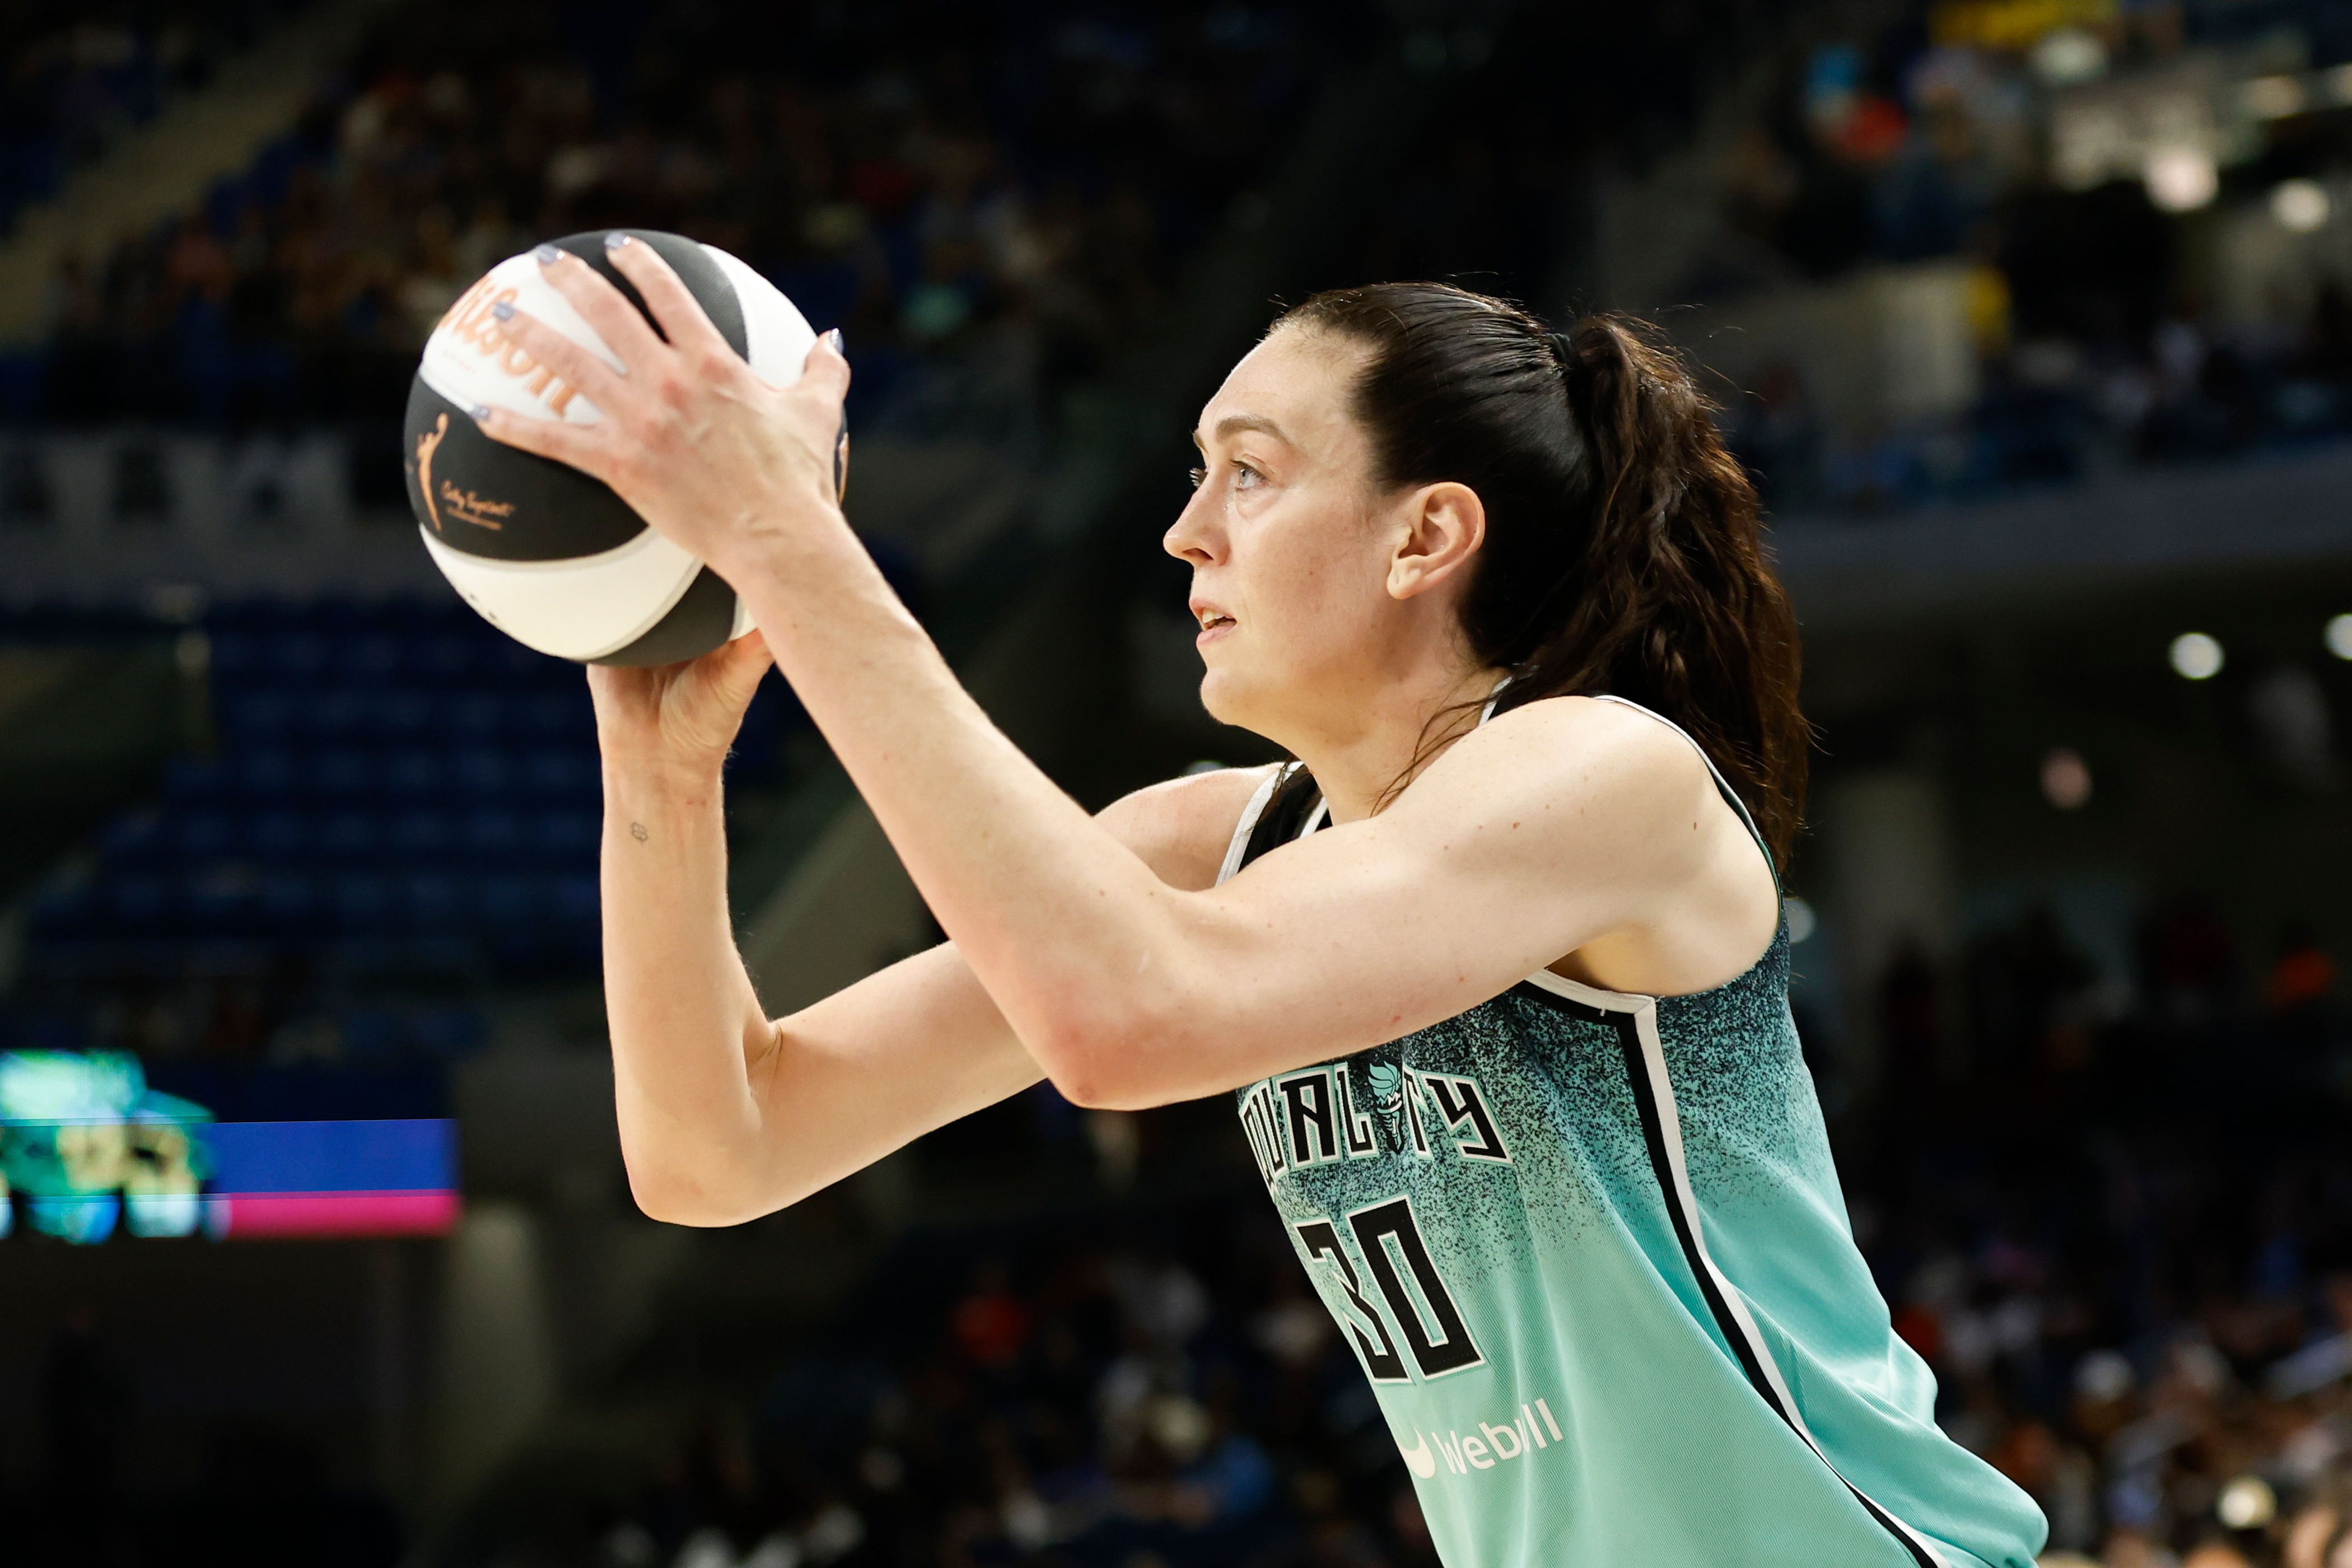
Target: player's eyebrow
{"points": [[1232, 423]]}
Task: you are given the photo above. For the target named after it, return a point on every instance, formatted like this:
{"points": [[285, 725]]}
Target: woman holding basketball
{"points": [[1496, 969]]}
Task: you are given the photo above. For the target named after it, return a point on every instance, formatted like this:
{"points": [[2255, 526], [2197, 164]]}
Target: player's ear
{"points": [[1442, 526]]}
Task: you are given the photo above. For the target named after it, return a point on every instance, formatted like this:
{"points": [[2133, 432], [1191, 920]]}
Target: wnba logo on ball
{"points": [[463, 505], [470, 324]]}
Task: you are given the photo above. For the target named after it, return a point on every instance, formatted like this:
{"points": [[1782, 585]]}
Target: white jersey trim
{"points": [[1248, 823], [1670, 1131]]}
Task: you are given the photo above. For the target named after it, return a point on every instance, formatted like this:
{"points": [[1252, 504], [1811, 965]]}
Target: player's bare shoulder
{"points": [[1182, 827], [1571, 782]]}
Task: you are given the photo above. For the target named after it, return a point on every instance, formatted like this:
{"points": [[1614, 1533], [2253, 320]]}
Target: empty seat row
{"points": [[294, 908], [264, 715], [430, 774], [302, 657], [418, 837]]}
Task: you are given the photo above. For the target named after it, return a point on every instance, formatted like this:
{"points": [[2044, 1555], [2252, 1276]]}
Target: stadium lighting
{"points": [[2246, 1503], [2066, 779], [2338, 636], [2196, 656], [2273, 97], [2070, 55], [2301, 206], [2181, 179]]}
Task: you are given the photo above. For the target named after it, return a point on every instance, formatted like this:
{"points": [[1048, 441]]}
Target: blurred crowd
{"points": [[921, 174], [78, 74], [2114, 1213], [2106, 299], [2127, 302], [1150, 1385]]}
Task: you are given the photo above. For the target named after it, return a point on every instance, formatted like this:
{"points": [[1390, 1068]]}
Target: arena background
{"points": [[2032, 318]]}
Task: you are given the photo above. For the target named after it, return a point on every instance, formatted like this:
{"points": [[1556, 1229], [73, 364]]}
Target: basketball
{"points": [[547, 554]]}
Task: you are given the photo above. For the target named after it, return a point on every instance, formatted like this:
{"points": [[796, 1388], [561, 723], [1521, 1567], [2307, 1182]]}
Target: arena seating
{"points": [[400, 802]]}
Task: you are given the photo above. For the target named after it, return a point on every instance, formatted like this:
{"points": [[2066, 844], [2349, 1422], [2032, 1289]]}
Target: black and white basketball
{"points": [[547, 554]]}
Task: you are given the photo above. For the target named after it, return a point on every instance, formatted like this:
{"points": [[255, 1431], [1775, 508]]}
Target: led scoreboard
{"points": [[87, 1149]]}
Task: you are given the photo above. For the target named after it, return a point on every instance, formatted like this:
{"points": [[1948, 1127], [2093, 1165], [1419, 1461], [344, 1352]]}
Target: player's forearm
{"points": [[1067, 929], [686, 1028]]}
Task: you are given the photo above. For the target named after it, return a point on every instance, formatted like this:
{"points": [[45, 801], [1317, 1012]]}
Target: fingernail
{"points": [[546, 255], [832, 342], [503, 309], [614, 239], [481, 411]]}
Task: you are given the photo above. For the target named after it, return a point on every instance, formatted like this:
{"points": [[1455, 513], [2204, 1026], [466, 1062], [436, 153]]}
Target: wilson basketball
{"points": [[547, 554]]}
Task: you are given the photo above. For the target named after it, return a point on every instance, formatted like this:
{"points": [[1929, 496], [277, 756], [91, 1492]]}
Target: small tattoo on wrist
{"points": [[637, 831]]}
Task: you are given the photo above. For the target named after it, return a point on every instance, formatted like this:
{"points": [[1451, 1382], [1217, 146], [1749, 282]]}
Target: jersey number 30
{"points": [[1387, 1238]]}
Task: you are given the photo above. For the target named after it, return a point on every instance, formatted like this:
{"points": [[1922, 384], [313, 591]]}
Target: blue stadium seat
{"points": [[422, 837], [562, 775], [340, 774], [374, 657], [336, 714], [278, 835], [288, 906], [262, 773], [294, 657], [474, 717], [565, 838], [348, 836], [415, 773], [199, 836], [480, 773], [400, 715], [430, 902], [258, 717], [362, 905], [491, 838], [137, 905], [222, 902]]}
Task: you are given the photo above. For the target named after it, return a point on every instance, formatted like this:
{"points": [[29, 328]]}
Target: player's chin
{"points": [[1226, 695]]}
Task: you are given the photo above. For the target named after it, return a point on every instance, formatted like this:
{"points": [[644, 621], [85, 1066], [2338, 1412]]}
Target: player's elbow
{"points": [[679, 1196], [1109, 1061]]}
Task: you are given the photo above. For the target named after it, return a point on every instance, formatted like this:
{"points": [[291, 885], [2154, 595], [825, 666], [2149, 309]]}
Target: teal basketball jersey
{"points": [[1592, 1252]]}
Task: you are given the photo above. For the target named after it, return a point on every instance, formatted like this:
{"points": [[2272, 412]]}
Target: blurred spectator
{"points": [[1007, 172]]}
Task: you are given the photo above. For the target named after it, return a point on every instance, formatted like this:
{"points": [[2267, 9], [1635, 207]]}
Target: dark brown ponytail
{"points": [[1623, 551]]}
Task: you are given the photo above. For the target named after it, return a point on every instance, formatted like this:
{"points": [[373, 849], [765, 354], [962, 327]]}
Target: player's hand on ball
{"points": [[704, 451], [678, 718]]}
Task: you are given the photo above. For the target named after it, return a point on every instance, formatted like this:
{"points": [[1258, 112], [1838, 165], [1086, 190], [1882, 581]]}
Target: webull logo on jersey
{"points": [[1483, 1448], [1320, 1114]]}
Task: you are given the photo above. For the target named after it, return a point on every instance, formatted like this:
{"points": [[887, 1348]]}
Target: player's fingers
{"points": [[620, 323], [575, 365], [676, 311], [741, 666], [582, 447], [825, 375]]}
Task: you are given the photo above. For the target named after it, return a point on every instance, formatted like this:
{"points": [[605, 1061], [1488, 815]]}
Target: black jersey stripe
{"points": [[1646, 1093]]}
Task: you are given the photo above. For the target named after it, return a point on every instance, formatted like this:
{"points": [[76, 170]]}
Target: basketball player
{"points": [[1496, 969]]}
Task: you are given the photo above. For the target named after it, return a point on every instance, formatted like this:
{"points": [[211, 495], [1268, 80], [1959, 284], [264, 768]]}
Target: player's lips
{"points": [[1214, 622]]}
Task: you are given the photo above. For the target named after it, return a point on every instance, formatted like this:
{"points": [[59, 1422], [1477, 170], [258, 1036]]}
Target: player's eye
{"points": [[1247, 477], [1200, 478]]}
